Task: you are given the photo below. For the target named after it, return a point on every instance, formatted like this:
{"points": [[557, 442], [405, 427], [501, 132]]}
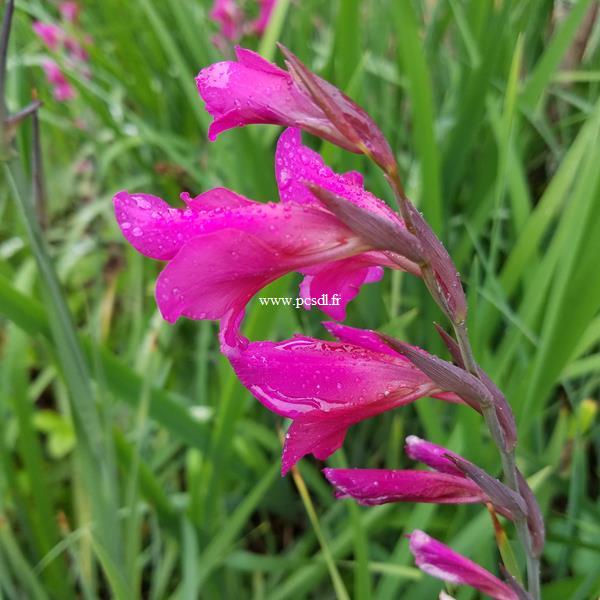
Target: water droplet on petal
{"points": [[137, 231]]}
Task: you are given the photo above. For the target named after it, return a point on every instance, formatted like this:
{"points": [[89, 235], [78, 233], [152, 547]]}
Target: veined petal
{"points": [[159, 231], [380, 486], [440, 561]]}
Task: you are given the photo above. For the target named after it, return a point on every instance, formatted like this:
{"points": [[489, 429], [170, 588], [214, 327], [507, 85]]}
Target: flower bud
{"points": [[500, 495], [503, 410]]}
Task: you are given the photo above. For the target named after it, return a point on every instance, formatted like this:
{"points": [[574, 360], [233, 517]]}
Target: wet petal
{"points": [[296, 165], [380, 486], [325, 387], [440, 561], [340, 281], [191, 286]]}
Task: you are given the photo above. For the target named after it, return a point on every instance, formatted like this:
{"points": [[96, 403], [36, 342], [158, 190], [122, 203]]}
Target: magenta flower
{"points": [[326, 387], [380, 486], [254, 91], [233, 22], [69, 11], [440, 561], [229, 16], [223, 248], [260, 24], [52, 35], [61, 88], [449, 485]]}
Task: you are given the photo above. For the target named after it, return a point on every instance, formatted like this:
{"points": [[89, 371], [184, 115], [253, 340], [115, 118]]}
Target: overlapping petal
{"points": [[297, 165], [325, 388], [223, 248], [440, 561], [456, 481], [252, 90]]}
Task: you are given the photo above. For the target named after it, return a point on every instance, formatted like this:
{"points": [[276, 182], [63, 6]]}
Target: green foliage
{"points": [[133, 463]]}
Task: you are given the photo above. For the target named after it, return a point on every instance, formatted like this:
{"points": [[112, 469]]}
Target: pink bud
{"points": [[440, 561]]}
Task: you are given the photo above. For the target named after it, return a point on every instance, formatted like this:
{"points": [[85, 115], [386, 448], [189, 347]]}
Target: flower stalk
{"points": [[488, 410]]}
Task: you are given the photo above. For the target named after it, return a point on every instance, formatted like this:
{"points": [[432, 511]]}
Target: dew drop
{"points": [[137, 231], [142, 202]]}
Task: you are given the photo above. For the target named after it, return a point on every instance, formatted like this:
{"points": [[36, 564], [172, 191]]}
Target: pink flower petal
{"points": [[440, 561], [325, 387], [342, 280], [260, 24], [191, 285], [365, 338], [431, 455], [254, 91], [379, 486], [69, 11], [61, 88], [297, 165], [157, 230], [229, 16], [49, 33]]}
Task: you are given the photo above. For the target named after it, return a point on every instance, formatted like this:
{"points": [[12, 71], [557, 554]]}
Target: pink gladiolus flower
{"points": [[326, 387], [223, 248], [61, 88], [51, 35], [232, 20], [229, 16], [440, 561], [254, 91], [69, 11], [379, 486], [260, 24], [450, 485]]}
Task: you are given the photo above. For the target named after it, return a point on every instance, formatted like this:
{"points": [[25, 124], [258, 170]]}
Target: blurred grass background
{"points": [[133, 464]]}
